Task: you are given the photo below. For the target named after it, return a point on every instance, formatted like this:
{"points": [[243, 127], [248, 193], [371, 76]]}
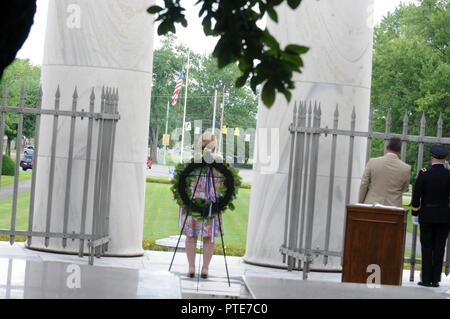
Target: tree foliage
{"points": [[8, 166], [257, 53], [21, 72], [411, 69]]}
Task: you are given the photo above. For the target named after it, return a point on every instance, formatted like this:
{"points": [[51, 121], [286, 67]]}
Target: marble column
{"points": [[337, 71], [90, 44]]}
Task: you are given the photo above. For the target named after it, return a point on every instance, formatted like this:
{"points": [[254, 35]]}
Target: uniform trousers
{"points": [[432, 240]]}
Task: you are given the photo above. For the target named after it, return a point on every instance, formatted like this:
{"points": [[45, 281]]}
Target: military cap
{"points": [[438, 151]]}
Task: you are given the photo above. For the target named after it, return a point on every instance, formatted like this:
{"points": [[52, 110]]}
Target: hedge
{"points": [[166, 180], [8, 167]]}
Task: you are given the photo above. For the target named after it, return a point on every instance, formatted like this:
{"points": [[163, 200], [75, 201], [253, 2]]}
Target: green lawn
{"points": [[161, 216], [23, 204], [7, 180]]}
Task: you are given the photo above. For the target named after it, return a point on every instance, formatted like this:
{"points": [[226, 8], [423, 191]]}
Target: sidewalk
{"points": [[216, 286]]}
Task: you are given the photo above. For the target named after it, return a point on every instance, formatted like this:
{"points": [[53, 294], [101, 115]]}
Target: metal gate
{"points": [[306, 134], [104, 123]]}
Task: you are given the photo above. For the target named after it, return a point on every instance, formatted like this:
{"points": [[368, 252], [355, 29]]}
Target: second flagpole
{"points": [[185, 104]]}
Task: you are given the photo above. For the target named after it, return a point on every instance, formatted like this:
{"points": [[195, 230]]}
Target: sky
{"points": [[33, 48]]}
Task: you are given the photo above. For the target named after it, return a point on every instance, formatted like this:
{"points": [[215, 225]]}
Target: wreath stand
{"points": [[187, 211]]}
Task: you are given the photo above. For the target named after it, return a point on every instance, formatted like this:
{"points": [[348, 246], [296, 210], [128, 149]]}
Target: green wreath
{"points": [[186, 175]]}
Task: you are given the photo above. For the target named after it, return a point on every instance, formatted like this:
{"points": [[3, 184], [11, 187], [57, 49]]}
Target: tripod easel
{"points": [[210, 175]]}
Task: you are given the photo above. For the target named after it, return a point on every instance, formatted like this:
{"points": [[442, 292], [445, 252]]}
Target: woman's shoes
{"points": [[204, 274]]}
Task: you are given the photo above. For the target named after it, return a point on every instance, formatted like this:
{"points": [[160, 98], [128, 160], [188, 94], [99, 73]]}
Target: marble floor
{"points": [[264, 287], [26, 273]]}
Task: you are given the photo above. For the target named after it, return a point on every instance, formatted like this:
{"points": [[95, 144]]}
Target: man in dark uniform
{"points": [[430, 204]]}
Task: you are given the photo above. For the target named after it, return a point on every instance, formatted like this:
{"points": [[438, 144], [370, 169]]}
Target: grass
{"points": [[158, 179], [161, 216], [23, 202], [406, 204], [160, 219], [8, 180]]}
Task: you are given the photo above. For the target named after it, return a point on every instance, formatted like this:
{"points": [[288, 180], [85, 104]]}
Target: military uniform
{"points": [[430, 201]]}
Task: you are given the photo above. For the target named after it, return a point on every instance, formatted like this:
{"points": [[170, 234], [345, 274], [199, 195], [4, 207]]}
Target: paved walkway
{"points": [[8, 190], [215, 286]]}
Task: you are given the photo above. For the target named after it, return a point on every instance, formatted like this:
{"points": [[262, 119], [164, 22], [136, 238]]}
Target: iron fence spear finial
{"points": [[58, 93], [5, 94], [75, 93], [440, 125], [22, 95], [39, 102], [423, 120]]}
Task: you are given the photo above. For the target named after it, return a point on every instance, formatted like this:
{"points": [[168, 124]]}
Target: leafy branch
{"points": [[258, 54]]}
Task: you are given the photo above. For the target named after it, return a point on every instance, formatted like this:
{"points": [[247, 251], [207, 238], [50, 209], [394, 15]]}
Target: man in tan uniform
{"points": [[386, 178]]}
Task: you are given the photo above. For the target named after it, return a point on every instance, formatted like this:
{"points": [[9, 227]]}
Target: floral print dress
{"points": [[197, 227]]}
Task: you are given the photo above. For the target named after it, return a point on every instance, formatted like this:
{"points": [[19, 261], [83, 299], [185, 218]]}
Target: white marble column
{"points": [[337, 71], [90, 44]]}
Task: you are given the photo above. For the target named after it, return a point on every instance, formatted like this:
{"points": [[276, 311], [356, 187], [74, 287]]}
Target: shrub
{"points": [[18, 239], [9, 167], [230, 250], [166, 180], [246, 185], [158, 180]]}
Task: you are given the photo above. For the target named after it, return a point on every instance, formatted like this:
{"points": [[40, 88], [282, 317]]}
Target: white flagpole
{"points": [[167, 124], [214, 113], [185, 103], [221, 120]]}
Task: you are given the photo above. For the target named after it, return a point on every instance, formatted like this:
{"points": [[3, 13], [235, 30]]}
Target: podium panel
{"points": [[374, 239]]}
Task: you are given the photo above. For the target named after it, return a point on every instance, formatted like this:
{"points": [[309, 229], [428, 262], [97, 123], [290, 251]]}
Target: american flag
{"points": [[177, 90]]}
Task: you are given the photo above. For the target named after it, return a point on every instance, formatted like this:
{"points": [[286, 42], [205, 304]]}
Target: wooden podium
{"points": [[374, 235]]}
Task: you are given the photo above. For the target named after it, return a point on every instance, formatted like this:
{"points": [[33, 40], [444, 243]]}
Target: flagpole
{"points": [[185, 103], [167, 124], [214, 113], [221, 120]]}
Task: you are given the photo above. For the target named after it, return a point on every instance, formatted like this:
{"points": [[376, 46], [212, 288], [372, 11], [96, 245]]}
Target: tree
{"points": [[242, 41], [168, 61], [240, 103], [411, 69], [258, 53], [21, 72], [204, 78]]}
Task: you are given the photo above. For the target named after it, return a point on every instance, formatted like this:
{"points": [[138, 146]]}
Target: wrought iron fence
{"points": [[306, 134], [103, 122]]}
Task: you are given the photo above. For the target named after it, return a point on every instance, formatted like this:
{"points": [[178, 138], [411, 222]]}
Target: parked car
{"points": [[28, 149], [27, 160]]}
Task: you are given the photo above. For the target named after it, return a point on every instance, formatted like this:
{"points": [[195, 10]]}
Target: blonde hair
{"points": [[207, 140]]}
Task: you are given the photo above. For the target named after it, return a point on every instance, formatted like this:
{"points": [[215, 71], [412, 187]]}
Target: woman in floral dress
{"points": [[208, 228]]}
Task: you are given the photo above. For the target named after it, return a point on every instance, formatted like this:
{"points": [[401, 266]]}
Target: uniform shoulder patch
{"points": [[424, 170]]}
